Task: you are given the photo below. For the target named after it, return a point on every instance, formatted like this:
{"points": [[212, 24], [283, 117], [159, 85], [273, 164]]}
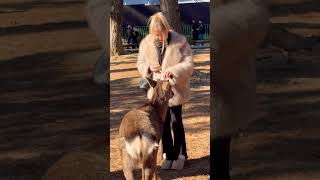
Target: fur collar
{"points": [[177, 41]]}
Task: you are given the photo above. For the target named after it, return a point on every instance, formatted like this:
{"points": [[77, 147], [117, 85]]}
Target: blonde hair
{"points": [[158, 22]]}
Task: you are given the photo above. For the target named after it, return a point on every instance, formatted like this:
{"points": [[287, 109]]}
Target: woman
{"points": [[164, 53], [236, 37]]}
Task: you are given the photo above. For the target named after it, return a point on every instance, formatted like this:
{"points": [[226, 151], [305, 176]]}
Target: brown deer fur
{"points": [[140, 132]]}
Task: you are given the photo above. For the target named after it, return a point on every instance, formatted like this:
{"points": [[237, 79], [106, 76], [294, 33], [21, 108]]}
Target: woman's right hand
{"points": [[155, 68]]}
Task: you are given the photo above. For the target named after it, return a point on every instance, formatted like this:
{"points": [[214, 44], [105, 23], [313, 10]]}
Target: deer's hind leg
{"points": [[128, 165], [160, 153], [149, 167]]}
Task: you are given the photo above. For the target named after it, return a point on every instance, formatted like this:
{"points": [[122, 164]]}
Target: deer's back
{"points": [[137, 122]]}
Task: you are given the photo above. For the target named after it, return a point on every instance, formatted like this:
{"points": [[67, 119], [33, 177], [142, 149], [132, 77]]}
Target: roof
{"points": [[157, 2]]}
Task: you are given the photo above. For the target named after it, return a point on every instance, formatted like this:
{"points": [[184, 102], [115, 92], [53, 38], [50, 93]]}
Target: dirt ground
{"points": [[48, 103], [125, 95], [282, 143]]}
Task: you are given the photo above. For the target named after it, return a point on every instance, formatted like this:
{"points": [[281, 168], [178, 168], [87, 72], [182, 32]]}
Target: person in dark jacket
{"points": [[195, 31], [135, 35], [130, 34], [201, 31]]}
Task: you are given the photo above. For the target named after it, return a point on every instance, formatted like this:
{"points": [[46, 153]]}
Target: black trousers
{"points": [[172, 147], [219, 160]]}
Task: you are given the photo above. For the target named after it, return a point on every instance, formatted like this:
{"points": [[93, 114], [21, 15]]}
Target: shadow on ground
{"points": [[49, 106], [188, 171]]}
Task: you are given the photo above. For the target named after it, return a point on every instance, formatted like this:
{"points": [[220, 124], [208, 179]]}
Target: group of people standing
{"points": [[197, 28], [198, 31]]}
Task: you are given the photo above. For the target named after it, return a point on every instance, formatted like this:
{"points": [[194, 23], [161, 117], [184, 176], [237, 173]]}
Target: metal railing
{"points": [[143, 31]]}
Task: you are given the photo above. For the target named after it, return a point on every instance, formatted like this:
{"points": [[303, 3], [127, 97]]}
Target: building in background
{"points": [[137, 12], [157, 2]]}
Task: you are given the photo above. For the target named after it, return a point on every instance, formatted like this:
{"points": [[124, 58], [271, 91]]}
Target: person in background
{"points": [[135, 35], [195, 31], [201, 32], [130, 34]]}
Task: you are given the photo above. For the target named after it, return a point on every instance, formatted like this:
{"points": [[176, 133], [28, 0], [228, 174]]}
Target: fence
{"points": [[143, 31]]}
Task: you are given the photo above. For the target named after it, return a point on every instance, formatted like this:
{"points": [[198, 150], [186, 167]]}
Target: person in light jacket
{"points": [[166, 54], [236, 36]]}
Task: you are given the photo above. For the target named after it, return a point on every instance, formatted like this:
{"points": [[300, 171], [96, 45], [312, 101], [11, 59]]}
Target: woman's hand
{"points": [[155, 68], [168, 75]]}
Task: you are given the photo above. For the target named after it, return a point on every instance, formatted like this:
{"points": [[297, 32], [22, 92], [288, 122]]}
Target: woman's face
{"points": [[158, 35]]}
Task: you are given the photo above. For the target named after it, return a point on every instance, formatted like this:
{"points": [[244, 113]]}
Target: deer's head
{"points": [[161, 91]]}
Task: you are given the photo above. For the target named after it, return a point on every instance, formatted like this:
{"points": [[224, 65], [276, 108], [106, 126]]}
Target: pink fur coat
{"points": [[177, 59]]}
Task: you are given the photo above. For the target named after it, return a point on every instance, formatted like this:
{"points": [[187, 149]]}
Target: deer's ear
{"points": [[151, 82]]}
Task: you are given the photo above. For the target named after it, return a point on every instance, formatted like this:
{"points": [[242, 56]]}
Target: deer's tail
{"points": [[140, 146]]}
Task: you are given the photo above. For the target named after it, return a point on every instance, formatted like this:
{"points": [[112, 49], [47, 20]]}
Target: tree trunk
{"points": [[170, 9], [116, 28]]}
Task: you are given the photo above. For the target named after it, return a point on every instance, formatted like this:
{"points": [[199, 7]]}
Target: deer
{"points": [[141, 129]]}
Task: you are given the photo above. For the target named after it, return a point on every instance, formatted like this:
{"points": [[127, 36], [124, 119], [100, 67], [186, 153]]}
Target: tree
{"points": [[116, 28], [170, 9]]}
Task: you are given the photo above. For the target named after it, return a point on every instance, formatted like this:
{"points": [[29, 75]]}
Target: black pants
{"points": [[195, 37], [219, 161], [170, 147]]}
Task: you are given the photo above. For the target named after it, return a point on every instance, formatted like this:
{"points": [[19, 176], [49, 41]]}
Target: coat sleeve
{"points": [[182, 71], [142, 64]]}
